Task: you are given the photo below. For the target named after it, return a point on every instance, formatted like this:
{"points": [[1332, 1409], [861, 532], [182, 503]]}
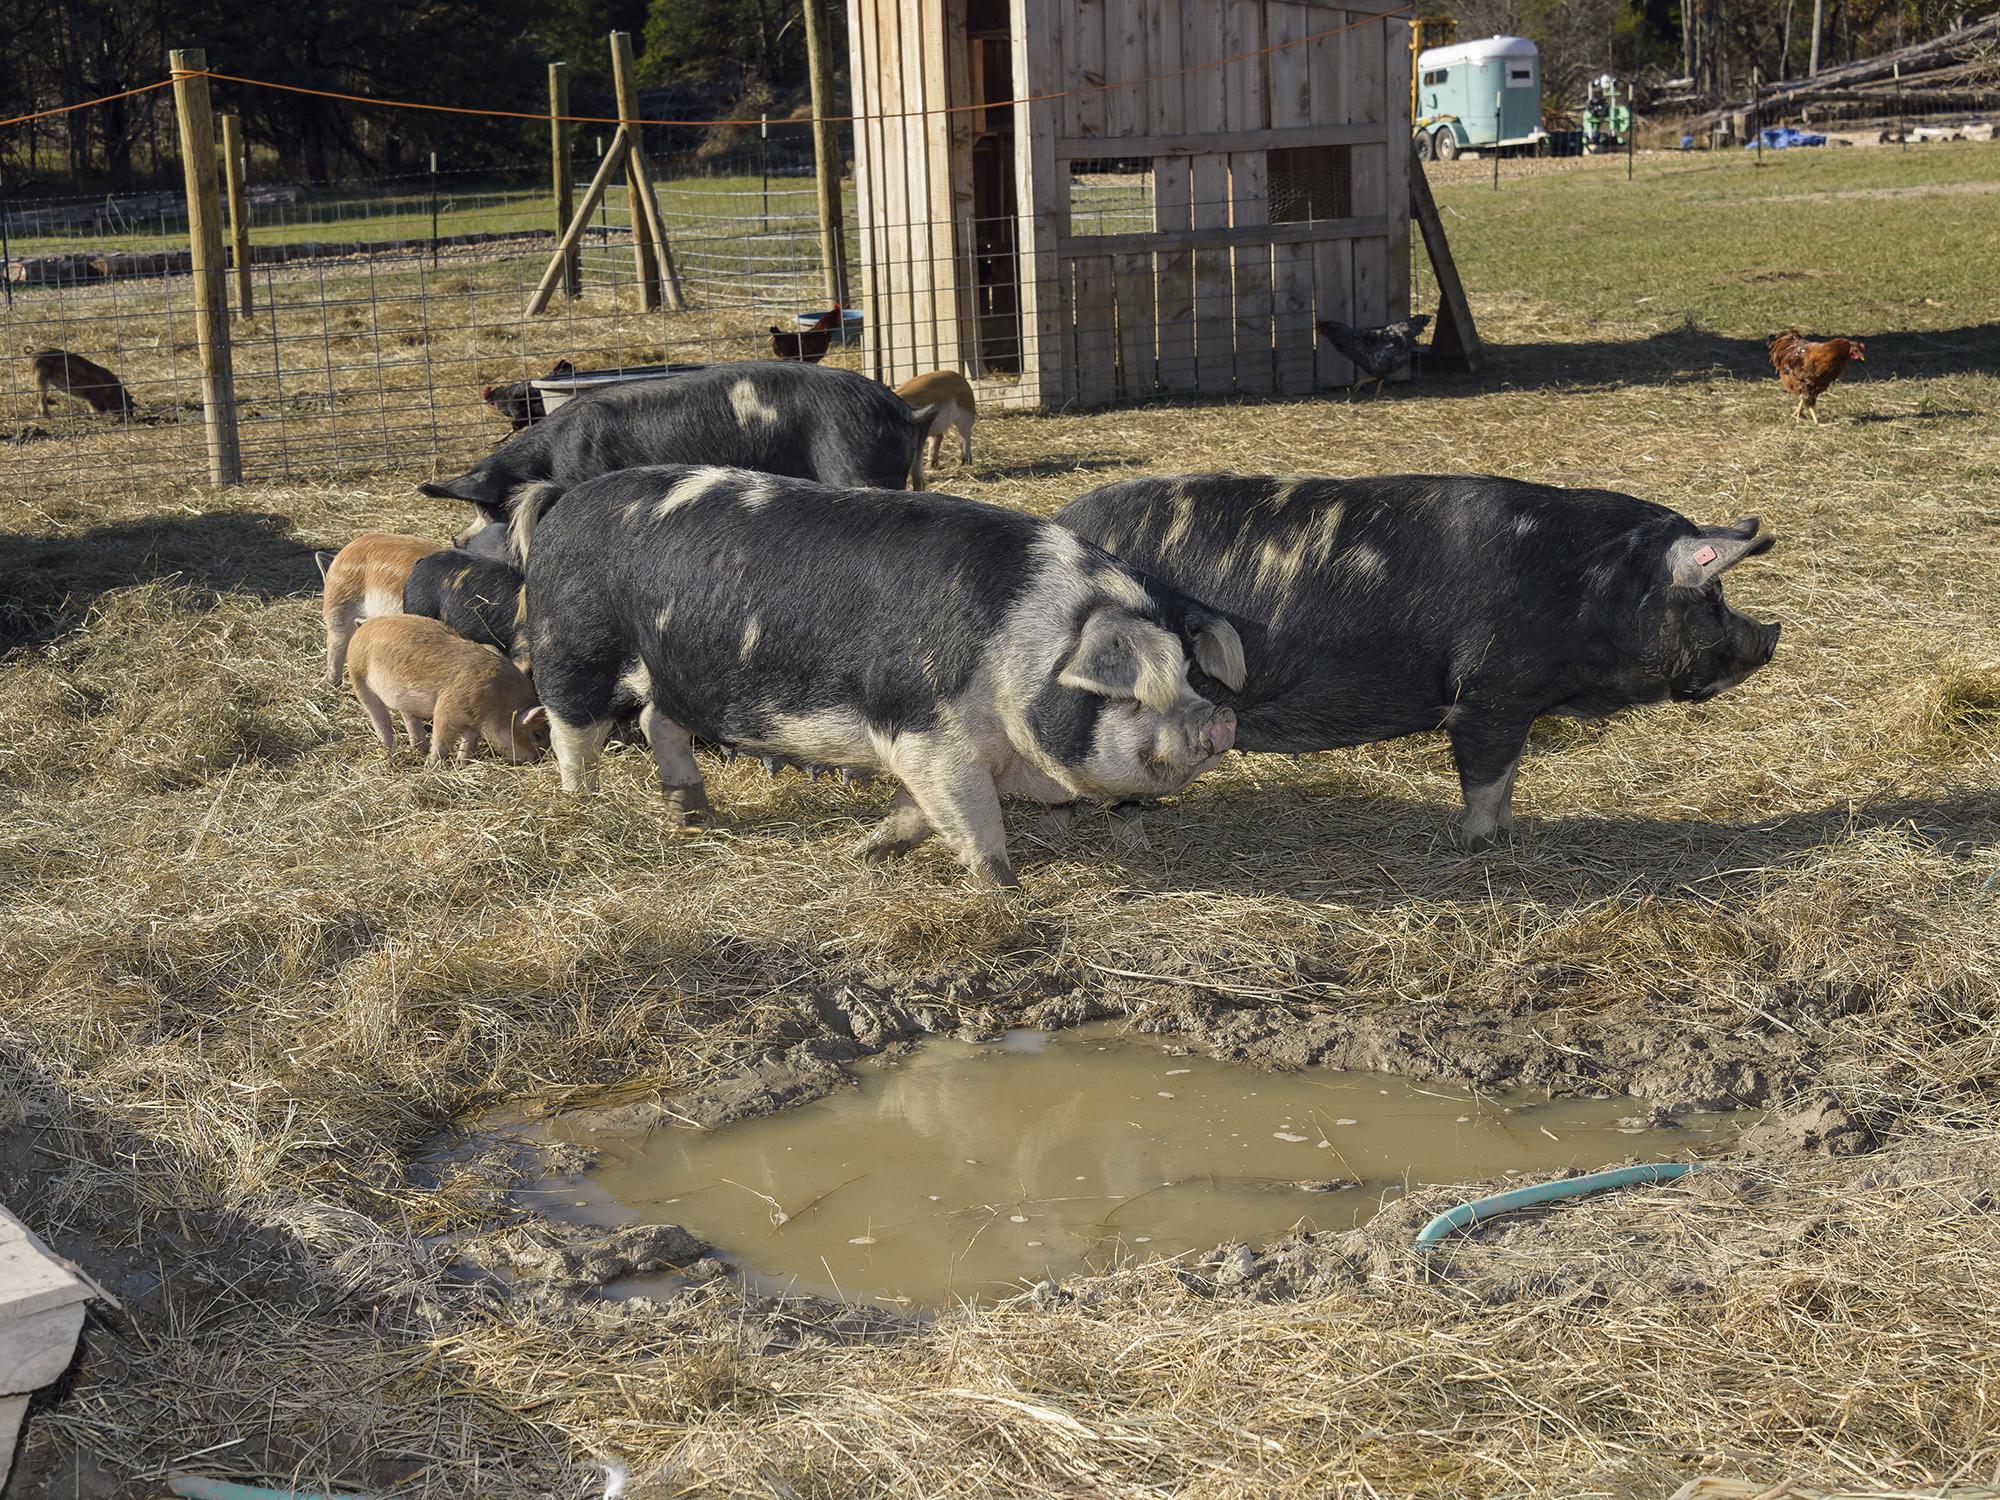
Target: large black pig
{"points": [[966, 649], [780, 417], [1372, 608]]}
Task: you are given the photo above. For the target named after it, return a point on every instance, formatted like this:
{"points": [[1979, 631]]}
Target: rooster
{"points": [[520, 403], [808, 345], [1806, 367], [1377, 353]]}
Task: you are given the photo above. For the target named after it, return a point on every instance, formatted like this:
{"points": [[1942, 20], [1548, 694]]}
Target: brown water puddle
{"points": [[964, 1171]]}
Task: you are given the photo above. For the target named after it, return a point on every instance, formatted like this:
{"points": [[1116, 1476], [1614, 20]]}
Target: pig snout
{"points": [[1221, 731], [1768, 645]]}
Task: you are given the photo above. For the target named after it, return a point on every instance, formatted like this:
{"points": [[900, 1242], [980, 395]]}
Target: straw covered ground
{"points": [[253, 969]]}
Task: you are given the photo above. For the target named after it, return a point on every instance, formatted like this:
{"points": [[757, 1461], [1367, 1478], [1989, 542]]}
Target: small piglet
{"points": [[363, 580], [57, 371], [951, 393], [481, 599], [429, 673]]}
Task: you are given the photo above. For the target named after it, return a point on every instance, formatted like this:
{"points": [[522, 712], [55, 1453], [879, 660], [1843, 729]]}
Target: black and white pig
{"points": [[478, 597], [779, 417], [1373, 608], [966, 649]]}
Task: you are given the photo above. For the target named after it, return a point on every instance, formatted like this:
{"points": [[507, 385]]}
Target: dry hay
{"points": [[253, 966]]}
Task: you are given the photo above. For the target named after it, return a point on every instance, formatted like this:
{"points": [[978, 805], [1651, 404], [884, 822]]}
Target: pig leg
{"points": [[956, 796], [937, 443], [680, 777], [965, 440], [577, 747], [378, 714], [1128, 827], [420, 738], [1488, 752], [342, 619], [450, 730], [901, 829]]}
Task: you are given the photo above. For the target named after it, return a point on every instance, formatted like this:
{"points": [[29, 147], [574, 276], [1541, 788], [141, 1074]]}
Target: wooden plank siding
{"points": [[1244, 247]]}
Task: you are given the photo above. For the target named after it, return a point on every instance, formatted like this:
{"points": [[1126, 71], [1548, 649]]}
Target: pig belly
{"points": [[1022, 778], [417, 701]]}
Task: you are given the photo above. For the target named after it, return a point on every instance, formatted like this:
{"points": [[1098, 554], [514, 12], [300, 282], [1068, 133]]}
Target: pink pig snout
{"points": [[1221, 731]]}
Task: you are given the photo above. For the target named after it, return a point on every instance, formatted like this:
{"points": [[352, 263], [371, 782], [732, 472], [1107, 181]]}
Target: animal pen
{"points": [[1083, 201], [1074, 203]]}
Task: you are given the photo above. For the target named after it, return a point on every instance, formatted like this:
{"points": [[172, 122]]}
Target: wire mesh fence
{"points": [[379, 315]]}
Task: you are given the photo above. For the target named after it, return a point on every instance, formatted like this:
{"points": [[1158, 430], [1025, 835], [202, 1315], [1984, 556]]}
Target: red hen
{"points": [[808, 345], [1806, 367]]}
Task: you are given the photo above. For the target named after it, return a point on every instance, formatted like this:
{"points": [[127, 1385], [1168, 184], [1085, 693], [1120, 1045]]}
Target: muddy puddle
{"points": [[966, 1171]]}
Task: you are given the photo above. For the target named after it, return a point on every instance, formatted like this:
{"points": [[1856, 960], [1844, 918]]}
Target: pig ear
{"points": [[533, 716], [1695, 561], [469, 487], [921, 417], [1122, 656], [1218, 649], [323, 561]]}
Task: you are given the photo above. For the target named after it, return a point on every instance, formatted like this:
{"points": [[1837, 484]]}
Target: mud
{"points": [[1668, 1069]]}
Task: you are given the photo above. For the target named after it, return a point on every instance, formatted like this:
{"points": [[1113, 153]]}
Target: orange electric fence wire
{"points": [[542, 116], [63, 109]]}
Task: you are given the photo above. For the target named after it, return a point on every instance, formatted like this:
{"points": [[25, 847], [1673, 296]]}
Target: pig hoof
{"points": [[686, 805], [770, 764], [994, 873], [1054, 822], [1128, 831]]}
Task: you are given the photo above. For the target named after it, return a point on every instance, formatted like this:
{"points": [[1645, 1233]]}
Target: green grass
{"points": [[1835, 240], [405, 213]]}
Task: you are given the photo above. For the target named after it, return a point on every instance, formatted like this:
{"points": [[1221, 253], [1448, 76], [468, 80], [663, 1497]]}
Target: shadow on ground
{"points": [[48, 584], [1382, 854], [1686, 355]]}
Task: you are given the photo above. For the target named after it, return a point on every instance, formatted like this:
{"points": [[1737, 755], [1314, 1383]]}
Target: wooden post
{"points": [[826, 154], [234, 170], [1454, 342], [211, 291], [579, 221], [564, 183], [627, 89]]}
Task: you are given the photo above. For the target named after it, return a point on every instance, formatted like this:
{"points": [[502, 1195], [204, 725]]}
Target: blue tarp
{"points": [[1778, 137]]}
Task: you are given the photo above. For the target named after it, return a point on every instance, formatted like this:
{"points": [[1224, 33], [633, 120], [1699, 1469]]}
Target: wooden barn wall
{"points": [[1217, 298], [903, 57], [1214, 297]]}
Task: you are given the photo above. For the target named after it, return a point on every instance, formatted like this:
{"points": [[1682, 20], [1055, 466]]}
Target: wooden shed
{"points": [[1176, 190]]}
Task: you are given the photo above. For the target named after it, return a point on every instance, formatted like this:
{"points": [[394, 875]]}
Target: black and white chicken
{"points": [[1376, 353]]}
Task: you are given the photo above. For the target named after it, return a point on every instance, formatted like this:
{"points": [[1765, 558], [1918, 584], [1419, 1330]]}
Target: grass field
{"points": [[254, 968], [404, 212]]}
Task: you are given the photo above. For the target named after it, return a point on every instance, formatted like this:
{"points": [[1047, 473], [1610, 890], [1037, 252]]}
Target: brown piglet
{"points": [[57, 370], [951, 392], [431, 674], [364, 580]]}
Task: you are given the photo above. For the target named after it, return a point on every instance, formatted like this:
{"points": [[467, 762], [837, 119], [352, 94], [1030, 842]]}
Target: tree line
{"points": [[708, 57], [705, 57]]}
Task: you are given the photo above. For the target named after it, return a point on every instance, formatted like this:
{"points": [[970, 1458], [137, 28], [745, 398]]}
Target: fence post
{"points": [[564, 183], [211, 291], [646, 262], [826, 154], [234, 170]]}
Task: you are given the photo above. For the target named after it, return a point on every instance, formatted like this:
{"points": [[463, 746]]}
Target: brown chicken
{"points": [[1806, 367], [809, 345]]}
